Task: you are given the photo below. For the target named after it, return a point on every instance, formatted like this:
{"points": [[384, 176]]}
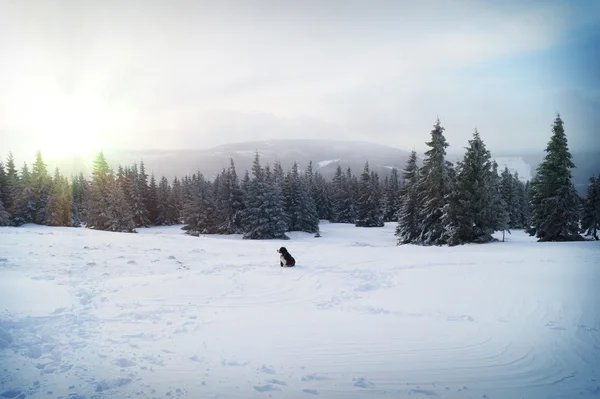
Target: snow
{"points": [[322, 164], [88, 314], [515, 164]]}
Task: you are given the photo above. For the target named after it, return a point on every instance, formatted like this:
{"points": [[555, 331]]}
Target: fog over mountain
{"points": [[325, 155]]}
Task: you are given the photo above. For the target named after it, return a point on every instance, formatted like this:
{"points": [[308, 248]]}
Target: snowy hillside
{"points": [[90, 314], [515, 165]]}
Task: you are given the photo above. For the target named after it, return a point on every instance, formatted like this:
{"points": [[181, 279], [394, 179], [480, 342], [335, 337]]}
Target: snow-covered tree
{"points": [[11, 186], [59, 208], [152, 200], [102, 191], [471, 202], [391, 196], [407, 229], [342, 198], [4, 216], [40, 184], [265, 213], [590, 220], [555, 203], [435, 179], [119, 214], [368, 211], [499, 217], [300, 206]]}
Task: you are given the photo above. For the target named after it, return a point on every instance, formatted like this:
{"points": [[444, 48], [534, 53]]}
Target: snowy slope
{"points": [[89, 314], [515, 165]]}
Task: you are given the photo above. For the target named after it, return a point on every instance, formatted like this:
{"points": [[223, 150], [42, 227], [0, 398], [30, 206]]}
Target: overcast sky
{"points": [[174, 74]]}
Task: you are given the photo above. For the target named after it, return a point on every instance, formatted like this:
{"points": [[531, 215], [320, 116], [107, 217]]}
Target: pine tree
{"points": [[24, 203], [135, 190], [471, 202], [300, 206], [3, 184], [11, 187], [119, 214], [433, 188], [498, 214], [342, 198], [322, 198], [391, 196], [200, 213], [590, 220], [4, 216], [40, 184], [367, 207], [102, 191], [407, 229], [59, 207], [555, 204], [265, 216], [152, 200]]}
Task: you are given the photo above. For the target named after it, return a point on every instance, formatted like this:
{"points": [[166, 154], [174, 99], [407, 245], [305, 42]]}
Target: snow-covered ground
{"points": [[88, 314]]}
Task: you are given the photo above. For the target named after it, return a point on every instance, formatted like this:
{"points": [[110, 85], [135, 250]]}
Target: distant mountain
{"points": [[325, 155]]}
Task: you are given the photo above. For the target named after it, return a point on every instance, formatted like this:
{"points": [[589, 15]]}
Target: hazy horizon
{"points": [[180, 75]]}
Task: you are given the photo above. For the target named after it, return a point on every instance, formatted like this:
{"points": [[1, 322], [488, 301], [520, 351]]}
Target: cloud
{"points": [[203, 72]]}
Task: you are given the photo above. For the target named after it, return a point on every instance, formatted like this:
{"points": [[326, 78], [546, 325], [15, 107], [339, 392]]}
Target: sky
{"points": [[82, 75]]}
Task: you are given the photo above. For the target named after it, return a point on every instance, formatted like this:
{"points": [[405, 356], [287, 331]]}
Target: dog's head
{"points": [[282, 250]]}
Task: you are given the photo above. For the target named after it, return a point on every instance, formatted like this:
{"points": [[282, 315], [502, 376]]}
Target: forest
{"points": [[433, 202]]}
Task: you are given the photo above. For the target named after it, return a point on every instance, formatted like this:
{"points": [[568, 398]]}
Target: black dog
{"points": [[285, 259]]}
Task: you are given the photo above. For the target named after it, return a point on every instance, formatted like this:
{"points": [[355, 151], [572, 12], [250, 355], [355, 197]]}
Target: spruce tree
{"points": [[3, 183], [499, 217], [265, 213], [590, 220], [59, 208], [300, 206], [407, 229], [471, 202], [101, 191], [322, 198], [4, 216], [119, 214], [343, 210], [24, 201], [555, 203], [200, 211], [433, 188], [391, 196], [11, 187], [41, 185], [152, 200], [367, 207]]}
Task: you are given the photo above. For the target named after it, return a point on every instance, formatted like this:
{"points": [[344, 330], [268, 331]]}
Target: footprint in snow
{"points": [[266, 388], [363, 383], [267, 369], [233, 363], [122, 362], [132, 262], [425, 392], [311, 391], [313, 377]]}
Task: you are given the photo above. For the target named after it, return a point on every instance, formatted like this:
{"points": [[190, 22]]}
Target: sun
{"points": [[69, 126]]}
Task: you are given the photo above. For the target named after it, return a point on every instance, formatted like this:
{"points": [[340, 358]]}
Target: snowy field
{"points": [[88, 314]]}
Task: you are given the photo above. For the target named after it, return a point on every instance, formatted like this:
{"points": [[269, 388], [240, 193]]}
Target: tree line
{"points": [[435, 203]]}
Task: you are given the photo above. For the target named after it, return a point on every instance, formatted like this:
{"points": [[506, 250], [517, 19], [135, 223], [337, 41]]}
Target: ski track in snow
{"points": [[89, 314]]}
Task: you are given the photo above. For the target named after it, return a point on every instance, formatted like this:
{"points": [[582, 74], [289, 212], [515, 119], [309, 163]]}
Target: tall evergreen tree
{"points": [[4, 216], [367, 207], [392, 196], [590, 220], [342, 198], [499, 217], [152, 200], [300, 206], [24, 201], [555, 204], [119, 214], [407, 229], [265, 216], [435, 179], [40, 184], [59, 209], [467, 214], [11, 187]]}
